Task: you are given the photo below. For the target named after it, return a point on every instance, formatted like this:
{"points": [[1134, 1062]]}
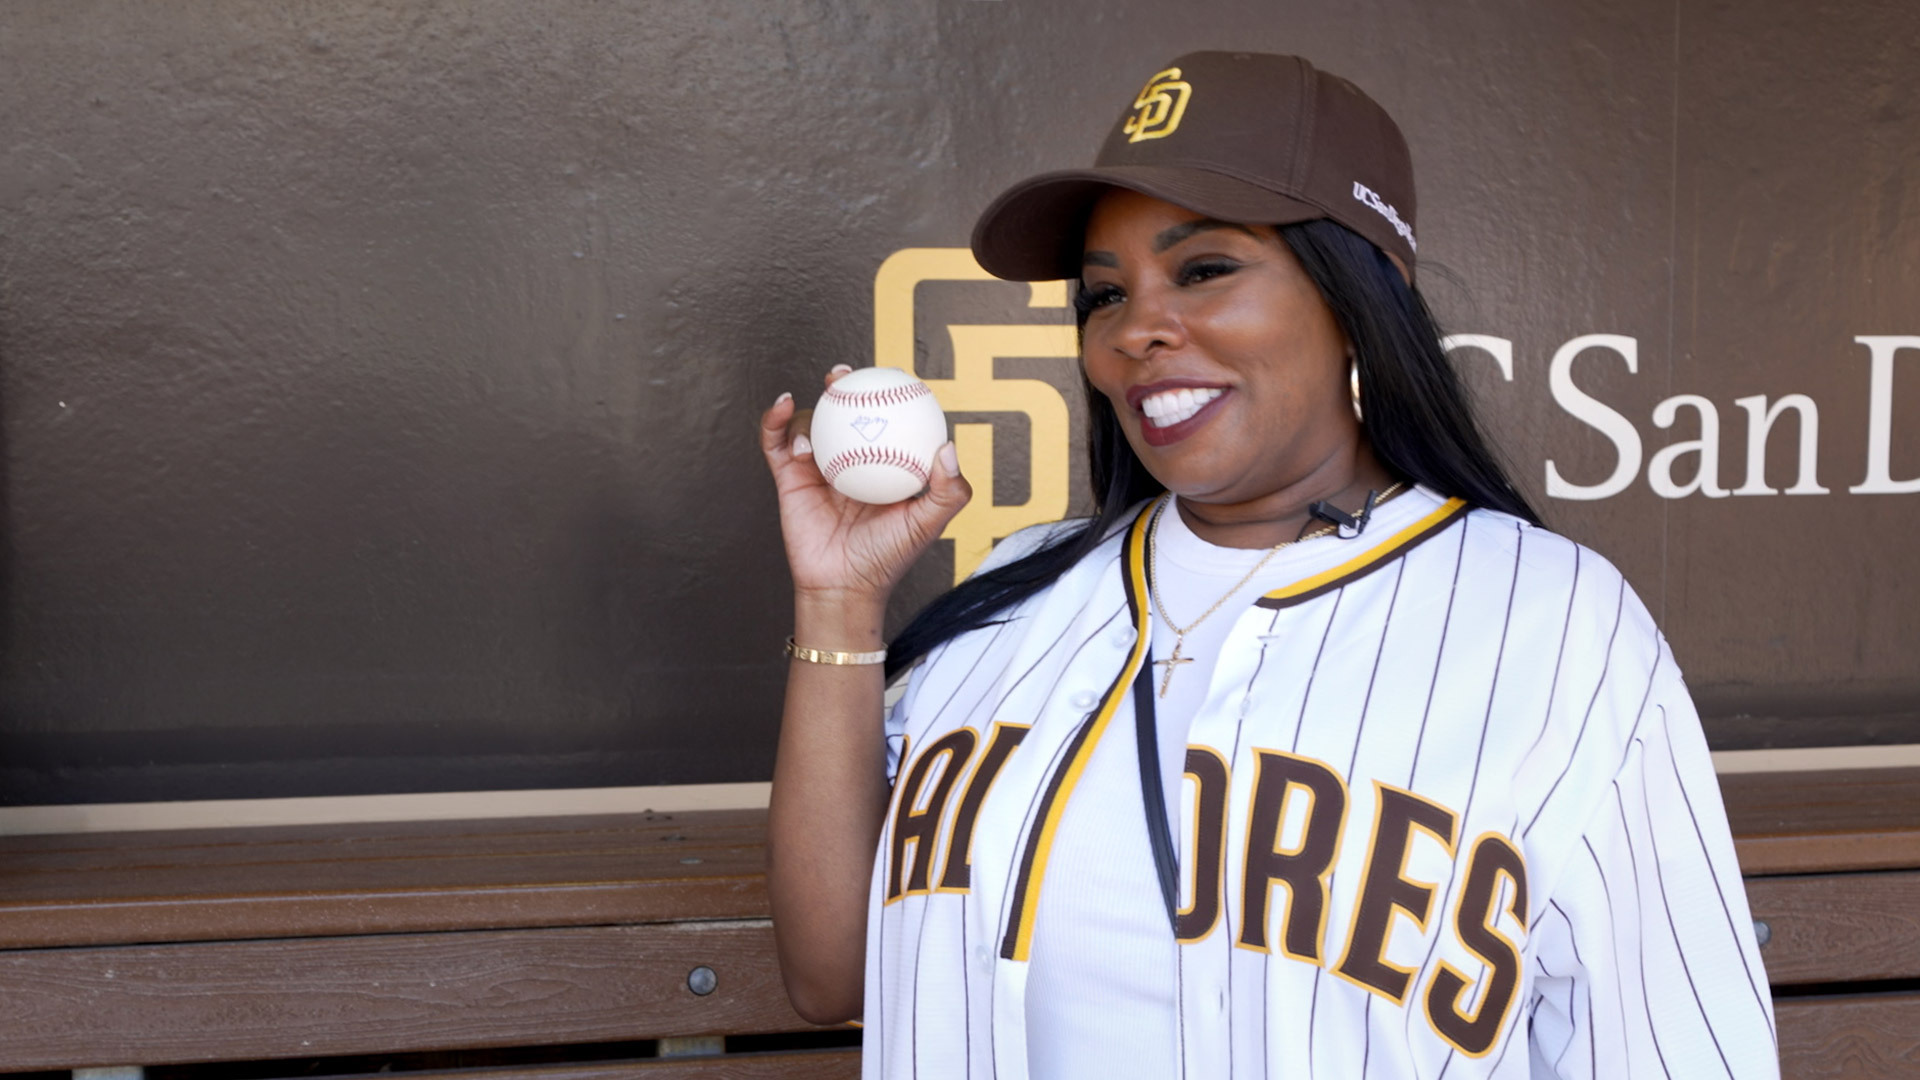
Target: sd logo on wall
{"points": [[974, 389]]}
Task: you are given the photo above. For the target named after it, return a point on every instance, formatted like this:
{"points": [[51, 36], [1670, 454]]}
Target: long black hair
{"points": [[1418, 419]]}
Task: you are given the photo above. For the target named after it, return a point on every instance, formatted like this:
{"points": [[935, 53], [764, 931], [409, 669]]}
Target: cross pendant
{"points": [[1172, 662]]}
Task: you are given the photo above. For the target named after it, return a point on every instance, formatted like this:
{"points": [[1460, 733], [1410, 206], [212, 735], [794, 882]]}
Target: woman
{"points": [[1310, 754]]}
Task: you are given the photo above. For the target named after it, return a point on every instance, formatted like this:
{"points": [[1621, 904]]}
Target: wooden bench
{"points": [[638, 946], [1832, 862], [640, 937]]}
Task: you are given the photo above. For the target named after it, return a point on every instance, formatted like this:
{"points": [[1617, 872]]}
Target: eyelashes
{"points": [[1204, 269], [1088, 299]]}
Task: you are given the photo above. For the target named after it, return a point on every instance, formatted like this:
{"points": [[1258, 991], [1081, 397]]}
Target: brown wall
{"points": [[377, 378]]}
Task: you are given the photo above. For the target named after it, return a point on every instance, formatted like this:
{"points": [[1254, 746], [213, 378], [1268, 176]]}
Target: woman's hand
{"points": [[840, 547], [829, 777]]}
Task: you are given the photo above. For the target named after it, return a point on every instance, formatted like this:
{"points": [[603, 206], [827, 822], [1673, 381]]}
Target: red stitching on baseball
{"points": [[872, 455], [892, 395]]}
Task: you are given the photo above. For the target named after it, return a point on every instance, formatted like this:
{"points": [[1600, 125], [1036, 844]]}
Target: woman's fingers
{"points": [[776, 436], [947, 493], [789, 455], [773, 426]]}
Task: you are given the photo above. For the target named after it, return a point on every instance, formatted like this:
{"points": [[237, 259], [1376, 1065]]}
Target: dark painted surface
{"points": [[377, 380]]}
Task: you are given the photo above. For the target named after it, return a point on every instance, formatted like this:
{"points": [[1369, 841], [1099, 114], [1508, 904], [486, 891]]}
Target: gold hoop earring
{"points": [[1353, 384]]}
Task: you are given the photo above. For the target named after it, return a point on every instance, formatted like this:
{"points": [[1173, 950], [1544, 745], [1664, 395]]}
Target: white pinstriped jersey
{"points": [[1448, 813]]}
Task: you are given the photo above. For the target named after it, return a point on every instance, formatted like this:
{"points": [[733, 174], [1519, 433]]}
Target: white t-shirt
{"points": [[1101, 994]]}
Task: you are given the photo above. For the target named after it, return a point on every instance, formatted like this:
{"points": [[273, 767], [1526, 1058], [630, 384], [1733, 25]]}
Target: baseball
{"points": [[875, 432]]}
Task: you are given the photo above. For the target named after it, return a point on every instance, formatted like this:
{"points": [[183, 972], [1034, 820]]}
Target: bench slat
{"points": [[1849, 1037], [1814, 853], [399, 993], [787, 1065], [318, 881], [1839, 927], [154, 920], [407, 839], [1827, 821]]}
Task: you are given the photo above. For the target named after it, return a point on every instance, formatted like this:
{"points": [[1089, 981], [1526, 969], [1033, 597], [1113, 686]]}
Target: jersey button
{"points": [[1122, 637], [1085, 699]]}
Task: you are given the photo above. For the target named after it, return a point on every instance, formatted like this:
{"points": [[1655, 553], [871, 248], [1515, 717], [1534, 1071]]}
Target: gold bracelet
{"points": [[832, 656]]}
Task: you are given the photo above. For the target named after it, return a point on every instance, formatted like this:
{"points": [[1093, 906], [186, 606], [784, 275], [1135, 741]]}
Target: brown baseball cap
{"points": [[1250, 138]]}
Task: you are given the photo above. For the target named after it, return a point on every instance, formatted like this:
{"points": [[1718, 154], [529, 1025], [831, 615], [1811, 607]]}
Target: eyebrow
{"points": [[1167, 239], [1174, 235]]}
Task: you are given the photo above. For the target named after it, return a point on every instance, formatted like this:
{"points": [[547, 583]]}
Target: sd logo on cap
{"points": [[1158, 109]]}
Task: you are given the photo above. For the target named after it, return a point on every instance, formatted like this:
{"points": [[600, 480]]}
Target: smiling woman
{"points": [[1312, 637], [1224, 366]]}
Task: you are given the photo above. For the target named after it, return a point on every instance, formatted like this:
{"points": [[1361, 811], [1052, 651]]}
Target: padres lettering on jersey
{"points": [[1302, 868], [1446, 795]]}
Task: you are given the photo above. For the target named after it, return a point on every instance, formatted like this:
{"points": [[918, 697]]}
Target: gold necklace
{"points": [[1175, 659]]}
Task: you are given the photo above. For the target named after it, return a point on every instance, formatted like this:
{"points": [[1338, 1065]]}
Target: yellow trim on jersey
{"points": [[1370, 560], [1019, 944]]}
